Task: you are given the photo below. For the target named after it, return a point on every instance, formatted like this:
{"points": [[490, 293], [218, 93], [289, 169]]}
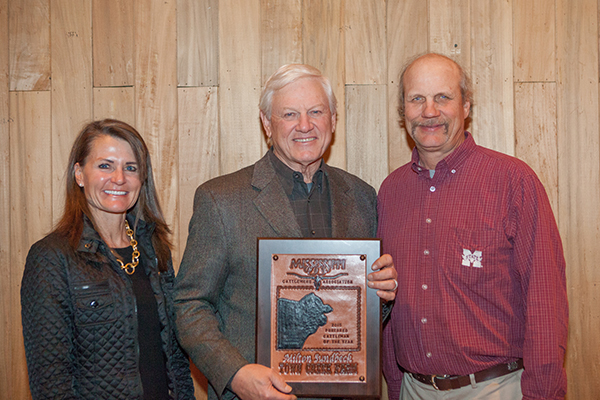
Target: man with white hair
{"points": [[290, 192]]}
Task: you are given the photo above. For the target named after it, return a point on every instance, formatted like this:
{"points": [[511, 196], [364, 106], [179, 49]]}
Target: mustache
{"points": [[432, 122]]}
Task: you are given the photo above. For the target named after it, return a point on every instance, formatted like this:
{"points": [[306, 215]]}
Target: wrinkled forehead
{"points": [[432, 73], [304, 90]]}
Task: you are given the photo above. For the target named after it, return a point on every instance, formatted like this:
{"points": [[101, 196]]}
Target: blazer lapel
{"points": [[342, 205], [272, 202]]}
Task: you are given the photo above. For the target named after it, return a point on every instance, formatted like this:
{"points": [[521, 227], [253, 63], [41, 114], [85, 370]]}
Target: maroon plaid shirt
{"points": [[480, 268]]}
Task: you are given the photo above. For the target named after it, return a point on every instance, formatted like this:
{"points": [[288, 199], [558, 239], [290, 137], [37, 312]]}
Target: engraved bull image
{"points": [[297, 320]]}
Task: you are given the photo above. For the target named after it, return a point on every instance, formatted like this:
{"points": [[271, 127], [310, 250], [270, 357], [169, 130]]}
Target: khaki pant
{"points": [[507, 387]]}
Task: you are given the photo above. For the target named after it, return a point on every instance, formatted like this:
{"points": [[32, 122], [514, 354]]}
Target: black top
{"points": [[152, 365]]}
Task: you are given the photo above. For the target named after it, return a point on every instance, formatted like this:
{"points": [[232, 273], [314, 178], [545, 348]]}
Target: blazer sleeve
{"points": [[48, 327], [199, 283]]}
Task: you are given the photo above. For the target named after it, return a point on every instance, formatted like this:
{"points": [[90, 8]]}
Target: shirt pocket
{"points": [[471, 255], [94, 304]]}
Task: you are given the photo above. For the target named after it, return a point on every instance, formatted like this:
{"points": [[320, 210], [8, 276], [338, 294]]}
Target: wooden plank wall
{"points": [[9, 302], [188, 75]]}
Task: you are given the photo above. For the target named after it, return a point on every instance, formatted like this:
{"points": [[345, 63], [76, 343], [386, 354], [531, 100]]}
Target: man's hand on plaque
{"points": [[384, 279], [254, 381]]}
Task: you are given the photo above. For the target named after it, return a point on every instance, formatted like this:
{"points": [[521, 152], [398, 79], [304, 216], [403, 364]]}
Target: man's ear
{"points": [[467, 108], [333, 121], [266, 124]]}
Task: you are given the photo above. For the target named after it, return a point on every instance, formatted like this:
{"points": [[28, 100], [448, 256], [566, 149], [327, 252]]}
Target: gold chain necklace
{"points": [[135, 257]]}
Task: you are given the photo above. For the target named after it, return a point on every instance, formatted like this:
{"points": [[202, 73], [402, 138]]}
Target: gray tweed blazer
{"points": [[215, 290]]}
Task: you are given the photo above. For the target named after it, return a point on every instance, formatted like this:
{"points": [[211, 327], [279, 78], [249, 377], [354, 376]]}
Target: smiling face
{"points": [[301, 125], [434, 109], [109, 177]]}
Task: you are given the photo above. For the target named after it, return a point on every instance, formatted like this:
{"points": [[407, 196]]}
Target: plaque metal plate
{"points": [[318, 324]]}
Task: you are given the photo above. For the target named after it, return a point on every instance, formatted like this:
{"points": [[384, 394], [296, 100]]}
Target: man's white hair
{"points": [[290, 73]]}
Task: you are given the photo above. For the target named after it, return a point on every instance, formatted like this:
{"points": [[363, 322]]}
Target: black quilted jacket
{"points": [[80, 323]]}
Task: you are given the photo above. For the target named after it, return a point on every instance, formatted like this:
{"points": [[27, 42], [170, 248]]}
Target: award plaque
{"points": [[318, 324]]}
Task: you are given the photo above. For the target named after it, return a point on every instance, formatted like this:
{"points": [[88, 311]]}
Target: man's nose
{"points": [[304, 123], [431, 109]]}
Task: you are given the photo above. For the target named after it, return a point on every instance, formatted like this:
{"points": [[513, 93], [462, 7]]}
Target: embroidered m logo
{"points": [[471, 259]]}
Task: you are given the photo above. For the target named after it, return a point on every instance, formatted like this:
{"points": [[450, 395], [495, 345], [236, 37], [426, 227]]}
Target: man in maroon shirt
{"points": [[481, 311]]}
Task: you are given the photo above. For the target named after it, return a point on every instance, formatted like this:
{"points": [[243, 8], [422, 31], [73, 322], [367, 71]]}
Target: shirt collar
{"points": [[288, 176], [452, 161]]}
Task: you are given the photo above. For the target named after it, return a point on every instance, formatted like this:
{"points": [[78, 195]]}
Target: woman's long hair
{"points": [[147, 206]]}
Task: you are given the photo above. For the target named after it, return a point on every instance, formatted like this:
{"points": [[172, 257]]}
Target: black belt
{"points": [[448, 382]]}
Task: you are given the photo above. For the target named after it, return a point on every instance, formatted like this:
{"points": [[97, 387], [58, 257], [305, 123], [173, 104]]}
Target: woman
{"points": [[96, 296]]}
